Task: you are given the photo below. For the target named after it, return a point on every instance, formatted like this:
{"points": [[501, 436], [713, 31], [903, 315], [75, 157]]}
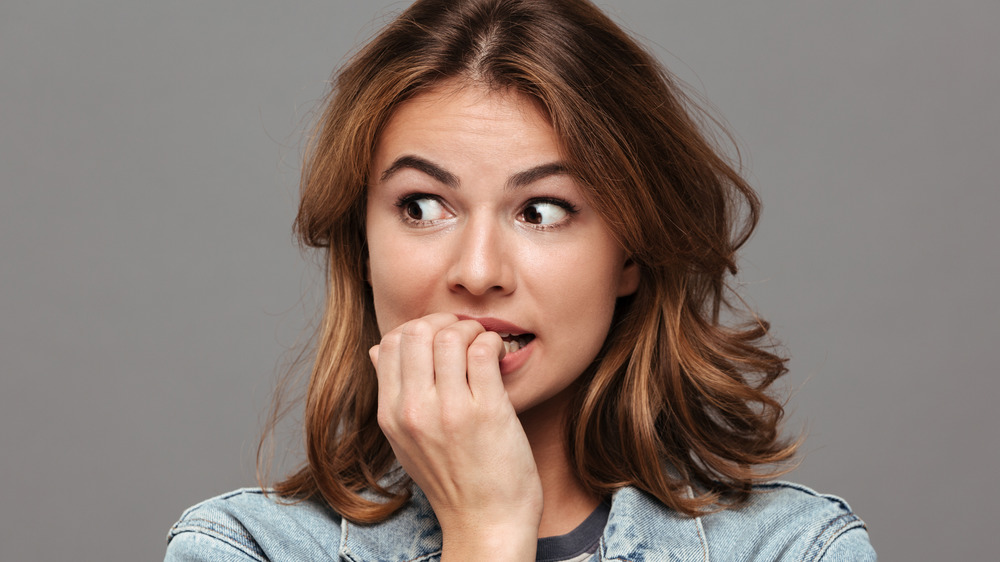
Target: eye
{"points": [[421, 207], [546, 212]]}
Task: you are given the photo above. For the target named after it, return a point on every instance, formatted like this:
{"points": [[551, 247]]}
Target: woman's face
{"points": [[470, 211]]}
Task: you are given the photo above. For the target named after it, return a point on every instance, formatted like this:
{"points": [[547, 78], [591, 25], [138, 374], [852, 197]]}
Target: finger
{"points": [[451, 349], [484, 357], [385, 358], [416, 351], [399, 372], [373, 353]]}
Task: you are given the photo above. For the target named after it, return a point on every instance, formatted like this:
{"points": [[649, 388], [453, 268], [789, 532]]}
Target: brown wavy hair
{"points": [[677, 399]]}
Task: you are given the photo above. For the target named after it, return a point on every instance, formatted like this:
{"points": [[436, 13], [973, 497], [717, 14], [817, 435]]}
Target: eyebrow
{"points": [[421, 165], [449, 179], [532, 175]]}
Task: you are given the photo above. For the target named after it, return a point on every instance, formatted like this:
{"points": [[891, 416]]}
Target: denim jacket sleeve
{"points": [[201, 546], [850, 546], [786, 521], [248, 526]]}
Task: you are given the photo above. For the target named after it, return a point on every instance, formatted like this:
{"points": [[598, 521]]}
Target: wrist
{"points": [[508, 539]]}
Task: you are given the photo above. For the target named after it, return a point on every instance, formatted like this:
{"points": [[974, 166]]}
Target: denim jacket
{"points": [[781, 521]]}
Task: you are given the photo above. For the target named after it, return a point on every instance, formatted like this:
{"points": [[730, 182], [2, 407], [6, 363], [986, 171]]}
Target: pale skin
{"points": [[477, 234]]}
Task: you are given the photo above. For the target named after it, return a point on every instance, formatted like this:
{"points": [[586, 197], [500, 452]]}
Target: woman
{"points": [[528, 239]]}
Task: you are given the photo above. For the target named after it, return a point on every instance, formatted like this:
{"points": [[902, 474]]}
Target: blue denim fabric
{"points": [[781, 522]]}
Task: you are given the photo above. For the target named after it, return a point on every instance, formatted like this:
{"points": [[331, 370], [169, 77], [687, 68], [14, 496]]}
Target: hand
{"points": [[443, 407]]}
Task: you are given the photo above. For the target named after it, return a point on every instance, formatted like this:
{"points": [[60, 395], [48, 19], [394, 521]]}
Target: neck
{"points": [[566, 502]]}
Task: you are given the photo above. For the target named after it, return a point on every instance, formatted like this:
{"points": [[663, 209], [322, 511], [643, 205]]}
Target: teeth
{"points": [[514, 342]]}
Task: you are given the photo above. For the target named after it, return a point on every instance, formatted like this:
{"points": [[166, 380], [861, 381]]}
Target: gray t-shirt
{"points": [[578, 544]]}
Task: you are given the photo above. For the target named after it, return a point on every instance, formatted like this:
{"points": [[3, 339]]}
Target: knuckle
{"points": [[449, 337], [390, 341], [411, 417], [418, 330], [482, 352]]}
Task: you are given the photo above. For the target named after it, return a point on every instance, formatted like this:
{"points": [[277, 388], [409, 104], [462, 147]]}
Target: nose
{"points": [[480, 263]]}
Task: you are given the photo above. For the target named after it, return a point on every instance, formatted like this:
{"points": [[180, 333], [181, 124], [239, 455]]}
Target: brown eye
{"points": [[421, 208], [544, 213]]}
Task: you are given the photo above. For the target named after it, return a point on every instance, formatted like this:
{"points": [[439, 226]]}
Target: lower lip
{"points": [[515, 359]]}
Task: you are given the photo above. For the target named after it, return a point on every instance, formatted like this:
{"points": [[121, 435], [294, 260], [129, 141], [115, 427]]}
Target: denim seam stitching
{"points": [[224, 533], [702, 539], [780, 484], [825, 537], [857, 524]]}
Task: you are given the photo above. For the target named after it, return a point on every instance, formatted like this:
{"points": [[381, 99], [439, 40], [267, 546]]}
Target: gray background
{"points": [[150, 288]]}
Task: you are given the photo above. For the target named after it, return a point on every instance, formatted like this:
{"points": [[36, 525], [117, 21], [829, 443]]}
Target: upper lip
{"points": [[495, 324]]}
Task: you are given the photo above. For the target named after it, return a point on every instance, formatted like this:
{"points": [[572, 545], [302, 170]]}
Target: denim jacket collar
{"points": [[637, 525]]}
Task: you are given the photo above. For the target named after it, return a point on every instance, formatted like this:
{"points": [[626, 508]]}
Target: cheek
{"points": [[580, 292], [580, 275], [402, 282]]}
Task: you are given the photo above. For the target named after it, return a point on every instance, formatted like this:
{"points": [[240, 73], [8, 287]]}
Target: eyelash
{"points": [[570, 209], [405, 200]]}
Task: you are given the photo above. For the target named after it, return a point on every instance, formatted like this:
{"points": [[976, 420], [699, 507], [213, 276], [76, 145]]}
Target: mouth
{"points": [[514, 337], [514, 342]]}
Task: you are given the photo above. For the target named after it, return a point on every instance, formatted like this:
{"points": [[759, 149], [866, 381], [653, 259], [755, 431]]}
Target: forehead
{"points": [[474, 98], [462, 116]]}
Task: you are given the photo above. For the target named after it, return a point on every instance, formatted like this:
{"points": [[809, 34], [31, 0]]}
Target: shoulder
{"points": [[779, 522], [782, 520], [249, 524]]}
